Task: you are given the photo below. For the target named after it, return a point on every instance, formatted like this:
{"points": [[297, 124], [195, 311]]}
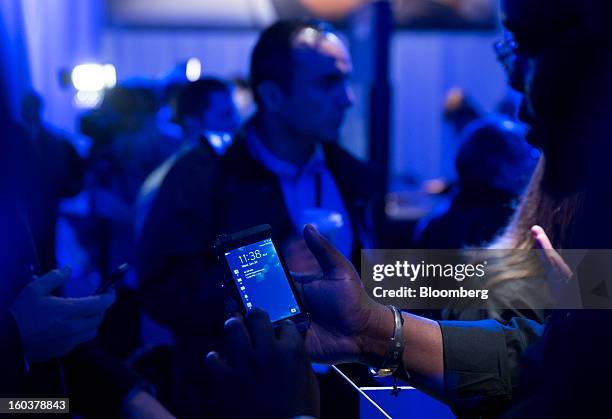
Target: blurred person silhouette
{"points": [[494, 164], [59, 174], [165, 118], [46, 346], [284, 168], [134, 148], [524, 369], [207, 106], [127, 147], [208, 118]]}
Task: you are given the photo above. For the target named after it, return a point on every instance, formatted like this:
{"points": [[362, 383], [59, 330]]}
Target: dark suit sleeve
{"points": [[178, 283], [482, 362], [12, 361], [97, 382]]}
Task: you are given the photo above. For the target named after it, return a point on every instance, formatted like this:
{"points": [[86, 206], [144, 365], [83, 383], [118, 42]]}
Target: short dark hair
{"points": [[194, 98], [272, 59]]}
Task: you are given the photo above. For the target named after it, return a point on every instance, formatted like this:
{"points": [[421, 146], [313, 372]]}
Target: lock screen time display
{"points": [[261, 280]]}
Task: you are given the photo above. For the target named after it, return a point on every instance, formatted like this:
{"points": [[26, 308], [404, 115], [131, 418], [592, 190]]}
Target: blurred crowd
{"points": [[171, 166]]}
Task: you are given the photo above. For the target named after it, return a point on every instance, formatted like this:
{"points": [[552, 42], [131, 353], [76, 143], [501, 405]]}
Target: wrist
{"points": [[374, 339]]}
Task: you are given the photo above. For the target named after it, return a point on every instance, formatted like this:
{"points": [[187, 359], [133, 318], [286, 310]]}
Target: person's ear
{"points": [[271, 96]]}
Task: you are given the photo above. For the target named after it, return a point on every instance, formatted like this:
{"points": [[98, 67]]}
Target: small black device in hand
{"points": [[257, 276], [109, 282]]}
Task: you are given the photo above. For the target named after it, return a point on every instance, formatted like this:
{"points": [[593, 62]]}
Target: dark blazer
{"points": [[203, 196]]}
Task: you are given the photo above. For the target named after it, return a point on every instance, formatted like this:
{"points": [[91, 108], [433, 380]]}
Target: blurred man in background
{"points": [[285, 169], [208, 117], [206, 106]]}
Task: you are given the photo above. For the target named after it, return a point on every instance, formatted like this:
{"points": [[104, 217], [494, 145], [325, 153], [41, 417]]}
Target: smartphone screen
{"points": [[261, 281]]}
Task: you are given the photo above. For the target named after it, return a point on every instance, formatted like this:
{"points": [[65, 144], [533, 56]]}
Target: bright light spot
{"points": [[88, 77], [193, 69], [216, 140], [336, 220], [308, 36], [93, 77], [227, 139], [110, 76], [88, 99], [219, 140], [509, 125]]}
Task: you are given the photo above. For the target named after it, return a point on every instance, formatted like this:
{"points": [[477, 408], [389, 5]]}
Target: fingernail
{"points": [[212, 356]]}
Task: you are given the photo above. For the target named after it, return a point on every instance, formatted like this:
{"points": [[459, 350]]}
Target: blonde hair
{"points": [[512, 258]]}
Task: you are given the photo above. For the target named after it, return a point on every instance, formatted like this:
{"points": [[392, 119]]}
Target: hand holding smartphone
{"points": [[258, 277]]}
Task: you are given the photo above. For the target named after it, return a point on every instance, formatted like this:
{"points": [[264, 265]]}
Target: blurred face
{"points": [[552, 107], [314, 107], [560, 80], [221, 114]]}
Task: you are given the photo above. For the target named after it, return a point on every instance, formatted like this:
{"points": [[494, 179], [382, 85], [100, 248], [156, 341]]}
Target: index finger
{"points": [[50, 281], [548, 255], [540, 237], [88, 306]]}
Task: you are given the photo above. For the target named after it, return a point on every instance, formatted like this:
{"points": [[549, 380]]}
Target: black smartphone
{"points": [[257, 276], [117, 275]]}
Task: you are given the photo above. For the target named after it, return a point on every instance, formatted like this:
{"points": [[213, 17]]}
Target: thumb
{"points": [[326, 254], [51, 280]]}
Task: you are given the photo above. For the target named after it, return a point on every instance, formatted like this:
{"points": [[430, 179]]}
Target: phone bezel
{"points": [[115, 276], [230, 242]]}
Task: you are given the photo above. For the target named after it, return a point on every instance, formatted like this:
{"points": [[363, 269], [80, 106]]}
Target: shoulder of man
{"points": [[193, 166]]}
